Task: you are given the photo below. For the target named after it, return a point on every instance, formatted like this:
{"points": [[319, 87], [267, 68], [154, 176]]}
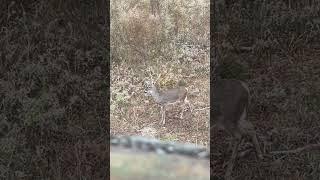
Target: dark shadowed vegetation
{"points": [[274, 46], [53, 89]]}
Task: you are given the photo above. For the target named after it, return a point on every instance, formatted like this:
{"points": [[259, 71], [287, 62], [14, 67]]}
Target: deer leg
{"points": [[256, 144], [181, 114], [182, 111], [231, 144], [163, 114], [187, 102], [248, 128], [253, 134], [233, 157]]}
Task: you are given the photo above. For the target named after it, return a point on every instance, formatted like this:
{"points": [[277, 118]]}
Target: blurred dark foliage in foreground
{"points": [[53, 89]]}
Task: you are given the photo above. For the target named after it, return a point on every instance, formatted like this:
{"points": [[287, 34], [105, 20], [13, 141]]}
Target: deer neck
{"points": [[156, 95]]}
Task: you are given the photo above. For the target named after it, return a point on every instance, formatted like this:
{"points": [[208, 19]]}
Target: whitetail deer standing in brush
{"points": [[164, 98], [230, 106]]}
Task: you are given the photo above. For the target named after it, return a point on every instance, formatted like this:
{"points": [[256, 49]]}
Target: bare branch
{"points": [[307, 148]]}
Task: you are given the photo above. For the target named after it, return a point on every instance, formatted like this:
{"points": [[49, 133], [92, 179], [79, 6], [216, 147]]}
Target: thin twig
{"points": [[306, 148]]}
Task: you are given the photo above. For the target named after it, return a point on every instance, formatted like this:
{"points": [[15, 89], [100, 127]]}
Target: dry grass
{"points": [[131, 111], [282, 72], [144, 47]]}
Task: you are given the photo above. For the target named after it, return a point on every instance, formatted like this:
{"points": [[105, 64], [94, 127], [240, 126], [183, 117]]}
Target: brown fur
{"points": [[230, 106]]}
